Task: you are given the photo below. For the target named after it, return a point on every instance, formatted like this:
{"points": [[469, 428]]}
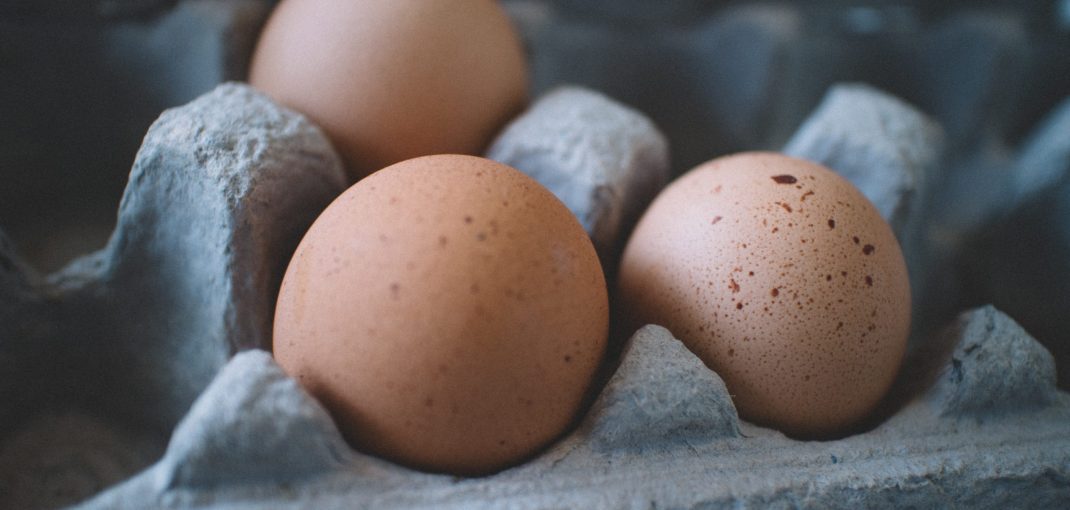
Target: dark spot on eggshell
{"points": [[868, 249], [429, 402], [395, 290], [775, 292], [803, 198], [733, 286], [716, 220], [832, 223], [784, 206], [468, 219], [443, 240], [568, 359], [869, 281], [739, 306], [785, 179]]}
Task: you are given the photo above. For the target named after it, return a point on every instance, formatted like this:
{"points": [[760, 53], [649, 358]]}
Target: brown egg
{"points": [[449, 311], [389, 80], [783, 278]]}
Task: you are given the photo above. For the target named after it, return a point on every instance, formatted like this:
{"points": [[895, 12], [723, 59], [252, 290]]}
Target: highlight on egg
{"points": [[389, 80], [449, 312], [784, 279]]}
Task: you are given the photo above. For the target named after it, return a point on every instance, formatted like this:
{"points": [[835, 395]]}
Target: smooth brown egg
{"points": [[449, 311], [783, 278], [390, 80]]}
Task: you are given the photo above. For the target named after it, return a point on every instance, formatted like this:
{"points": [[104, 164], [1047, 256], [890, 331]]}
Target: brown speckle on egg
{"points": [[789, 352]]}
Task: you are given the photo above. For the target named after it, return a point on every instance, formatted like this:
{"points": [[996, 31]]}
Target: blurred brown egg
{"points": [[389, 80], [783, 278], [449, 311]]}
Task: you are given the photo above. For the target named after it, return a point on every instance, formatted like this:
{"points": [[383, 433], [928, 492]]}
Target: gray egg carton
{"points": [[137, 376]]}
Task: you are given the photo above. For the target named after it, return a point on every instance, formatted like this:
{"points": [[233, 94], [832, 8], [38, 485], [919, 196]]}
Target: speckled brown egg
{"points": [[449, 311], [783, 278], [390, 80]]}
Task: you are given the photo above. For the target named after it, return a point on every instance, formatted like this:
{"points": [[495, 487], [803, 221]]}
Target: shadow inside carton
{"points": [[60, 457]]}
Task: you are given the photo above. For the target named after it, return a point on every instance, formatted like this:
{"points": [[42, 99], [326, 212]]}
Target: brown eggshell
{"points": [[784, 279], [389, 80], [449, 311]]}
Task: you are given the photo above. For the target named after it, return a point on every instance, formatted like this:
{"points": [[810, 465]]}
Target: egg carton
{"points": [[135, 377]]}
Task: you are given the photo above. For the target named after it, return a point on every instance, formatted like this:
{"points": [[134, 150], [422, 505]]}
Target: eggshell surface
{"points": [[390, 80], [784, 279], [449, 312]]}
